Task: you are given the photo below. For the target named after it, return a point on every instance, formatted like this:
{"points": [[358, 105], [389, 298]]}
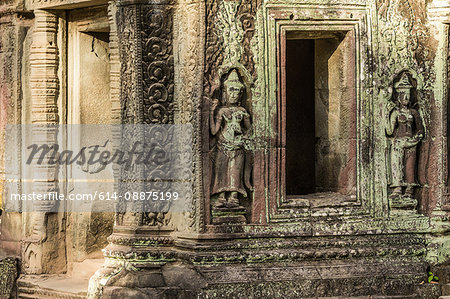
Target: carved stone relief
{"points": [[157, 65], [147, 89], [406, 43], [8, 276], [189, 36], [127, 22], [231, 125], [229, 59], [405, 129], [229, 39], [158, 78], [405, 40], [247, 14]]}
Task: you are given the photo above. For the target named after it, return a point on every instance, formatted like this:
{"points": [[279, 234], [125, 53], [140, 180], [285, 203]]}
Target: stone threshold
{"points": [[52, 286], [73, 285]]}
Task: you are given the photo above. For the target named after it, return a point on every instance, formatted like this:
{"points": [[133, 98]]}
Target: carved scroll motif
{"points": [[230, 29], [157, 65], [145, 35], [147, 83]]}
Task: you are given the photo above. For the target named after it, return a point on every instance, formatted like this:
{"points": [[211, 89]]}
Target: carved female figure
{"points": [[231, 125], [405, 126]]}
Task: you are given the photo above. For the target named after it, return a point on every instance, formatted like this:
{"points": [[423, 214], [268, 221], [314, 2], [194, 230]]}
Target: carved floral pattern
{"points": [[246, 15], [157, 65], [147, 85]]}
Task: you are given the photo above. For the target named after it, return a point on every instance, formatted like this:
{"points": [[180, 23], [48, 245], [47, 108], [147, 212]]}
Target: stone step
{"points": [[47, 294], [85, 269], [51, 286]]}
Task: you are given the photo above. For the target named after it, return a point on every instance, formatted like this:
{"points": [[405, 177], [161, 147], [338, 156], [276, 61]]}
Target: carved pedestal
{"points": [[133, 262], [403, 203], [228, 215]]}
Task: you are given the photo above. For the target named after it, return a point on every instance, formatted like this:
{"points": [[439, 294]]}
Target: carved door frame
{"points": [[281, 19]]}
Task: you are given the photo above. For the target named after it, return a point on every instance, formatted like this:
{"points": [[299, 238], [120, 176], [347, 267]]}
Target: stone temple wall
{"points": [[320, 143], [15, 42]]}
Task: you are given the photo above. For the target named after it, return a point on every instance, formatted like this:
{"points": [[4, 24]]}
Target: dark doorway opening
{"points": [[300, 117], [320, 119]]}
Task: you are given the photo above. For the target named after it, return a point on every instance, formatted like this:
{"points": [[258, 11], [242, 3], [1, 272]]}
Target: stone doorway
{"points": [[88, 103], [319, 76]]}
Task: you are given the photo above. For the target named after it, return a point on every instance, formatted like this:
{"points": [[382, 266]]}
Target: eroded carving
{"points": [[8, 276], [231, 125], [246, 14], [405, 129], [229, 39], [406, 42]]}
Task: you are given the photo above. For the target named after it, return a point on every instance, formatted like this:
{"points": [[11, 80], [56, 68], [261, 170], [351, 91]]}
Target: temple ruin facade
{"points": [[319, 146]]}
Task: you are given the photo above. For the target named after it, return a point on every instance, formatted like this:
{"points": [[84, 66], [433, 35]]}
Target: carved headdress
{"points": [[403, 83], [233, 80]]}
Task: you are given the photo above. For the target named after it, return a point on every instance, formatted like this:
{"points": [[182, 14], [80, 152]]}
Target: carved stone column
{"points": [[43, 239], [147, 73], [140, 240]]}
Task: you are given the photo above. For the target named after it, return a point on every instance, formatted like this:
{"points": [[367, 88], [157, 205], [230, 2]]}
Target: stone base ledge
{"points": [[394, 279]]}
